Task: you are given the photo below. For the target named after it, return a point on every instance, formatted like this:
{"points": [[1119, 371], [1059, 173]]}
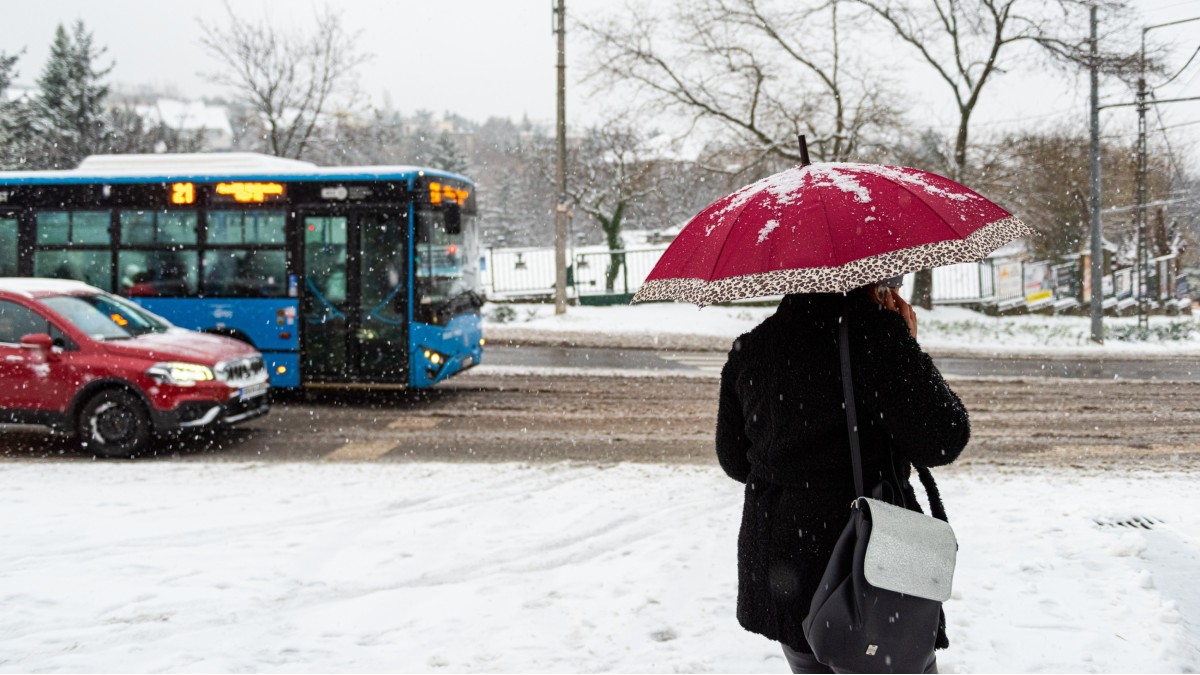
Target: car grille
{"points": [[242, 371]]}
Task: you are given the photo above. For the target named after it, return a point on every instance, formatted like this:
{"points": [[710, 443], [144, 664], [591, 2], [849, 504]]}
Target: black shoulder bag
{"points": [[878, 606]]}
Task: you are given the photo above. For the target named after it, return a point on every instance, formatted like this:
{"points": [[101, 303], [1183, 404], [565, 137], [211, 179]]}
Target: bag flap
{"points": [[909, 552]]}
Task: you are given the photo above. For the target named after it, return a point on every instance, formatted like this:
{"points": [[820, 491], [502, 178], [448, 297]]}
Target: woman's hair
{"points": [[876, 292]]}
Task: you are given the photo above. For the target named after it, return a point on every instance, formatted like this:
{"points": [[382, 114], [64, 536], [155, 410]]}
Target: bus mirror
{"points": [[453, 219]]}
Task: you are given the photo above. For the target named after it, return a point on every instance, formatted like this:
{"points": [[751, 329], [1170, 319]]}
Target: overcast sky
{"points": [[482, 58]]}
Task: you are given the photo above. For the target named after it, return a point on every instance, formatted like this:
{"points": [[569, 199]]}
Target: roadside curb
{"points": [[525, 337]]}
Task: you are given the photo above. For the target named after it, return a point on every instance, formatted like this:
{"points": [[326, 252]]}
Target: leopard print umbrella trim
{"points": [[846, 277]]}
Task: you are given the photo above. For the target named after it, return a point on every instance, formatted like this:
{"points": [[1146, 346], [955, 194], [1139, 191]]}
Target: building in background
{"points": [[191, 118]]}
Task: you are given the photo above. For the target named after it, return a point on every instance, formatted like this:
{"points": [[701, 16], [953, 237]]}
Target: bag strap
{"points": [[931, 489], [848, 401]]}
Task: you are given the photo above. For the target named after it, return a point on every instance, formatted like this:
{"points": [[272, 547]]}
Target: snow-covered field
{"points": [[456, 568], [951, 328]]}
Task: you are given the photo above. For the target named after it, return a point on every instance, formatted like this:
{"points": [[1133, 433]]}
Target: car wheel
{"points": [[113, 424]]}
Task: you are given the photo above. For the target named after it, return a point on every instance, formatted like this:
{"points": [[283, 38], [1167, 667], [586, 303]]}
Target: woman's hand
{"points": [[894, 302]]}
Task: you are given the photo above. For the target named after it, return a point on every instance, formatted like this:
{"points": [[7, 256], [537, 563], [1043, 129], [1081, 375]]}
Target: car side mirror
{"points": [[38, 340], [41, 342]]}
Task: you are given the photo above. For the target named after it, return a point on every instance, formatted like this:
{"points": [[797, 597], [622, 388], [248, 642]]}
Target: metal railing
{"points": [[613, 272], [517, 272], [964, 283], [521, 273]]}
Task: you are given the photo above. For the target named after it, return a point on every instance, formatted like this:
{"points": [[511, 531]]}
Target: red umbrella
{"points": [[827, 227]]}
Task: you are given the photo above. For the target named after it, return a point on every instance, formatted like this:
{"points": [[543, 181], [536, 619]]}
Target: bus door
{"points": [[355, 297]]}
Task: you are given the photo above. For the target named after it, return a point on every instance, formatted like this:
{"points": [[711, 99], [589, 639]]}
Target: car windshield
{"points": [[106, 317]]}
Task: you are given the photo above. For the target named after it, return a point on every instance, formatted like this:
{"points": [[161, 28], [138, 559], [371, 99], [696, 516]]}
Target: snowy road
{"points": [[533, 358], [604, 418], [561, 567]]}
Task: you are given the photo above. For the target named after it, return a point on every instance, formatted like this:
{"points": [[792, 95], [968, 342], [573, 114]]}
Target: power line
{"points": [[1167, 7], [1126, 134], [1160, 202], [1180, 71]]}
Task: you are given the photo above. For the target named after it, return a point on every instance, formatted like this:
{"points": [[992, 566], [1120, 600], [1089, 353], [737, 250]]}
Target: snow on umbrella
{"points": [[827, 227]]}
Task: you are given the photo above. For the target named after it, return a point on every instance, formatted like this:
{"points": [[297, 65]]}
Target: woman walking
{"points": [[781, 430]]}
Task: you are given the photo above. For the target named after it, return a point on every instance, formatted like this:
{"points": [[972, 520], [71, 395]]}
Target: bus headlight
{"points": [[436, 358], [179, 373]]}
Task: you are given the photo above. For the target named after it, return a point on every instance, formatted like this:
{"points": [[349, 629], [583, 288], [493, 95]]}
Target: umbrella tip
{"points": [[804, 161]]}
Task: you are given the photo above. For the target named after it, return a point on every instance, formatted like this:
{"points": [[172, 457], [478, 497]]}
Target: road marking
{"points": [[414, 423], [360, 451], [555, 372], [711, 363], [366, 451]]}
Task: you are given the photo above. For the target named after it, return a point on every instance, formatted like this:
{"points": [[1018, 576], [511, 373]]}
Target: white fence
{"points": [[528, 273], [513, 273]]}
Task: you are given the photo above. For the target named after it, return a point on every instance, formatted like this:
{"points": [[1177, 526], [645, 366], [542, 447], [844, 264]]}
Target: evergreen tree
{"points": [[446, 154], [67, 117], [8, 71]]}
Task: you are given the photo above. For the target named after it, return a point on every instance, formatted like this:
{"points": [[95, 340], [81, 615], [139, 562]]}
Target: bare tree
{"points": [[967, 42], [288, 79], [765, 71], [610, 169]]}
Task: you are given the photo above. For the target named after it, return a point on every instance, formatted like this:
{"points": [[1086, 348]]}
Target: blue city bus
{"points": [[340, 276]]}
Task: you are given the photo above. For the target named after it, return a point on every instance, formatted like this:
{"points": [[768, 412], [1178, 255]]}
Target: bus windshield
{"points": [[446, 267], [106, 317]]}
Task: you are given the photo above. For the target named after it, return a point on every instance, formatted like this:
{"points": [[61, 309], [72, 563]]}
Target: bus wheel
{"points": [[113, 424]]}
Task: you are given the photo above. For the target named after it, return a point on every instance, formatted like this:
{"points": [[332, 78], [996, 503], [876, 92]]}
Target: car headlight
{"points": [[183, 374]]}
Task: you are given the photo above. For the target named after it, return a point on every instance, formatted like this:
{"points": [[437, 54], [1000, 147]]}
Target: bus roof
{"points": [[212, 166]]}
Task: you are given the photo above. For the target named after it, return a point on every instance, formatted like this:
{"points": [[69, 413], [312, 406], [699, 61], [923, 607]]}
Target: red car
{"points": [[83, 361]]}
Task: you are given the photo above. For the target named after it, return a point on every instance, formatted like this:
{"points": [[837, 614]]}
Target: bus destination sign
{"points": [[251, 193], [185, 194]]}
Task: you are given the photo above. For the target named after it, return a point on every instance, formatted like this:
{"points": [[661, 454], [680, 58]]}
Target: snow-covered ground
{"points": [[949, 328], [500, 568]]}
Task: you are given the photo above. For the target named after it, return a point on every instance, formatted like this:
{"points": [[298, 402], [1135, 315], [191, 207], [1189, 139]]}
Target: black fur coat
{"points": [[781, 430]]}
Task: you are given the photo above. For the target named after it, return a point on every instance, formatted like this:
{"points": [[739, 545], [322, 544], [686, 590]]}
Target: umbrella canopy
{"points": [[827, 227]]}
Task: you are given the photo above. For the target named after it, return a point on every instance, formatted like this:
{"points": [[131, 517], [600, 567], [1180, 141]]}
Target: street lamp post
{"points": [[1097, 257], [560, 208]]}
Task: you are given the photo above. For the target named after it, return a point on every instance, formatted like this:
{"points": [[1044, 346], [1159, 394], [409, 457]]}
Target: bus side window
{"points": [[245, 273]]}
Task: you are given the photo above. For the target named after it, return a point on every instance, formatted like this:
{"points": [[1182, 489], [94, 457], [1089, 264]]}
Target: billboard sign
{"points": [[1009, 280], [1039, 283]]}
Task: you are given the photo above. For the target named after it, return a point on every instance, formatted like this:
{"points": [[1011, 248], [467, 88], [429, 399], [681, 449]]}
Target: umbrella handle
{"points": [[804, 161]]}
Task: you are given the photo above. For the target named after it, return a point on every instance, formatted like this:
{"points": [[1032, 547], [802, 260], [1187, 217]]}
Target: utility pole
{"points": [[1143, 249], [1142, 105], [1140, 271], [560, 208], [1097, 257]]}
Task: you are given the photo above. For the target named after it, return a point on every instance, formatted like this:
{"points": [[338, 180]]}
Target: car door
{"points": [[18, 375], [30, 379]]}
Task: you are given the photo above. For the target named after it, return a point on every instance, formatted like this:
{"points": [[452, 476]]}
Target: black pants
{"points": [[802, 662]]}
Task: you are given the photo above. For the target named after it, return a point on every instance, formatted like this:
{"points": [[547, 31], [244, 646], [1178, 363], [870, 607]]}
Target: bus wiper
{"points": [[471, 298]]}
